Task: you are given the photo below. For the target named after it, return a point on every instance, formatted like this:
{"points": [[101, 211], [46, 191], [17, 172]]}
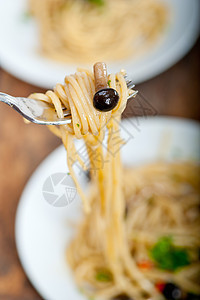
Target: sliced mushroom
{"points": [[105, 98]]}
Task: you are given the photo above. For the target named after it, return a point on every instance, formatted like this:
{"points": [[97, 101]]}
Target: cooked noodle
{"points": [[127, 210], [76, 30]]}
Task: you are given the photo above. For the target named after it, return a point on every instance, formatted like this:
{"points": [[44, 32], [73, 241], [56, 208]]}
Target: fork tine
{"points": [[129, 82], [52, 106], [67, 113], [63, 109], [132, 95], [130, 85]]}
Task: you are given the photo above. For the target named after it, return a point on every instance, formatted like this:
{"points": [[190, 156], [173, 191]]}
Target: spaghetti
{"points": [[130, 214], [78, 30]]}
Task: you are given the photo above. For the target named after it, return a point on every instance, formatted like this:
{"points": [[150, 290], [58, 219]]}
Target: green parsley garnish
{"points": [[68, 173], [168, 256], [97, 2], [109, 81], [78, 125], [104, 275]]}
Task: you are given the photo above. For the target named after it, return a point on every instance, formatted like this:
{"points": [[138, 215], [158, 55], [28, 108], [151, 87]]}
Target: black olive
{"points": [[191, 296], [105, 99], [122, 297], [172, 292]]}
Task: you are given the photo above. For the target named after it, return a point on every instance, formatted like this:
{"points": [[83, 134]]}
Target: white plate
{"points": [[42, 231], [19, 44]]}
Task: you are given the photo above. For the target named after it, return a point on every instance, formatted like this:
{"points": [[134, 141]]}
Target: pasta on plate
{"points": [[91, 30]]}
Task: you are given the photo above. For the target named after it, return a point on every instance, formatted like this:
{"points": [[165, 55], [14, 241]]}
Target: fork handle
{"points": [[10, 100]]}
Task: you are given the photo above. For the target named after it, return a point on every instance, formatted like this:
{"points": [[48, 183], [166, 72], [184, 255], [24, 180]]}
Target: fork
{"points": [[43, 113]]}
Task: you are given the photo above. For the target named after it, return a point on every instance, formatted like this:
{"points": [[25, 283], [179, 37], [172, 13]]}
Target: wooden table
{"points": [[176, 92]]}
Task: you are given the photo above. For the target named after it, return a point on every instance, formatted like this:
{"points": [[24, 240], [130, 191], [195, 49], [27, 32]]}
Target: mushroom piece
{"points": [[105, 98]]}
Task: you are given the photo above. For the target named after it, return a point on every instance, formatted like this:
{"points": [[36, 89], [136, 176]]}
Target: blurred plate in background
{"points": [[19, 44], [43, 231]]}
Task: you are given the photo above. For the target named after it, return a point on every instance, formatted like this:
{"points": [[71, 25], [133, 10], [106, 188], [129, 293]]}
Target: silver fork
{"points": [[37, 111]]}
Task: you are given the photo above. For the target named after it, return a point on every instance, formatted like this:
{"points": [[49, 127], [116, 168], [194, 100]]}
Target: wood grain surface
{"points": [[176, 92]]}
